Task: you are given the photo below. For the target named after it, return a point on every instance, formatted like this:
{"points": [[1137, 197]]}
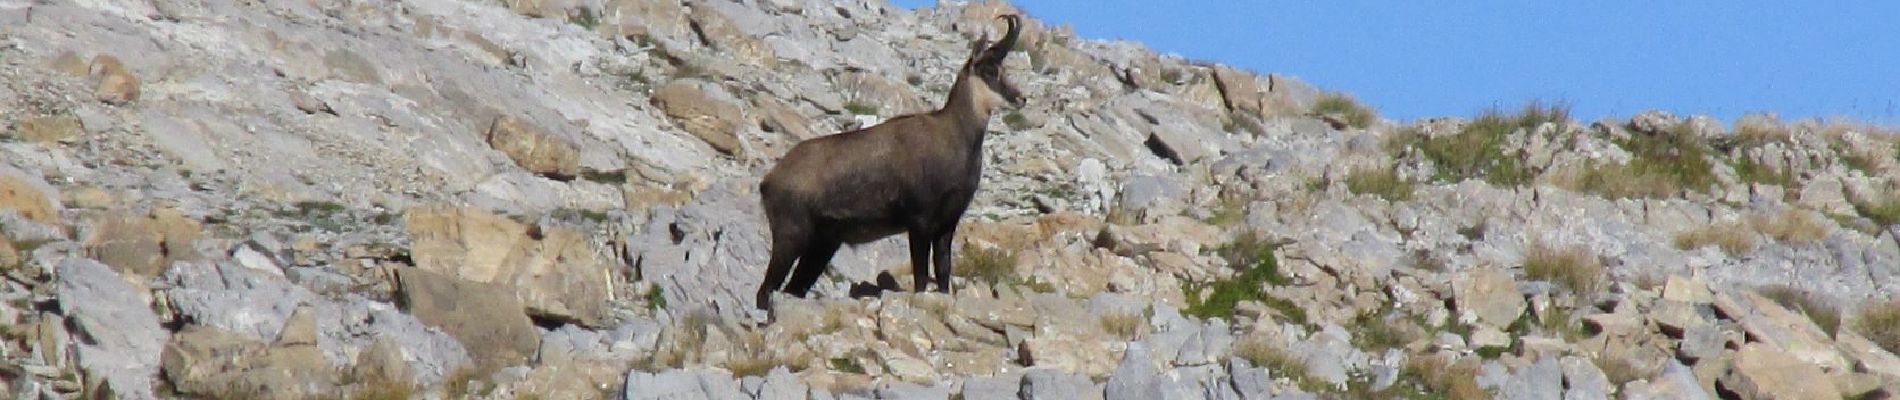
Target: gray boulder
{"points": [[122, 337]]}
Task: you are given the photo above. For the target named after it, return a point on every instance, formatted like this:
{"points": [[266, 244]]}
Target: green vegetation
{"points": [[656, 298], [1574, 268], [1124, 325], [1426, 377], [319, 215], [1477, 150], [605, 177], [1734, 238], [1790, 225], [1382, 182], [1262, 354], [584, 17], [1380, 330], [1806, 303], [1880, 322], [1255, 267], [1883, 209], [1343, 107], [995, 266], [1015, 120], [859, 108], [1662, 164], [847, 365], [1751, 171]]}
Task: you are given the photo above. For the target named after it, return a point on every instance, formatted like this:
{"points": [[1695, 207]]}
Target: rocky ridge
{"points": [[554, 198]]}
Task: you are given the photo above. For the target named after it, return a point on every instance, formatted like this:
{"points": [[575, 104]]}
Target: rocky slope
{"points": [[554, 198]]}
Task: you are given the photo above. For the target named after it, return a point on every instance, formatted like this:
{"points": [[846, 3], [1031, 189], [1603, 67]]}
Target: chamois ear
{"points": [[979, 47]]}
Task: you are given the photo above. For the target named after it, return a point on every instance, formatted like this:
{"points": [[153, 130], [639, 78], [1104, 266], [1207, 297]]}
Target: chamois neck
{"points": [[965, 108]]}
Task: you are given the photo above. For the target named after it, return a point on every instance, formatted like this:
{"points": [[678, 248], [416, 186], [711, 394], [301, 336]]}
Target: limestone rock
{"points": [[1052, 384], [682, 384], [554, 271], [484, 317], [533, 148], [725, 35], [1763, 372], [1490, 295], [704, 110], [113, 83], [123, 337]]}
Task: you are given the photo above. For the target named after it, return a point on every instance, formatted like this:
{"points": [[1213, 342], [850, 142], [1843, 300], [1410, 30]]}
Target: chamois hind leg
{"points": [[785, 250], [943, 259], [811, 265], [920, 243]]}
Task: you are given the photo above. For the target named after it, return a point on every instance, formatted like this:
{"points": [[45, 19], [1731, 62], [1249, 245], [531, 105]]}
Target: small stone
{"points": [[1490, 295], [533, 148], [114, 84]]}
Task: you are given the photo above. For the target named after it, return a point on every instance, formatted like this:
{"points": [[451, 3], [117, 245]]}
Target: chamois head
{"points": [[982, 74]]}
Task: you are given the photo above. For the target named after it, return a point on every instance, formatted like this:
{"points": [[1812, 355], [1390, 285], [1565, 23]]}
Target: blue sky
{"points": [[1414, 59]]}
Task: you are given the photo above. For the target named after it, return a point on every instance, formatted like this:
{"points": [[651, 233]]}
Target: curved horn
{"points": [[1008, 42]]}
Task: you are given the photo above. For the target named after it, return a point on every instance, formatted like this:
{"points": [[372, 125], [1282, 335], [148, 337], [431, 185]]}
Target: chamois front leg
{"points": [[919, 260], [944, 260]]}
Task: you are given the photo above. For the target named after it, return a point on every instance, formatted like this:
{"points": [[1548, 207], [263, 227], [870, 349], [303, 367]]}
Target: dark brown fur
{"points": [[913, 174]]}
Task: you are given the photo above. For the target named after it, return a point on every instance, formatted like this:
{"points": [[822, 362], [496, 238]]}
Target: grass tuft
{"points": [[1806, 303], [858, 108], [1124, 325], [1789, 226], [1575, 267], [1345, 108], [1734, 238], [1436, 377], [1880, 322], [994, 266], [1252, 257], [1382, 182], [1477, 150], [1883, 209], [1675, 156], [1263, 354], [1015, 120]]}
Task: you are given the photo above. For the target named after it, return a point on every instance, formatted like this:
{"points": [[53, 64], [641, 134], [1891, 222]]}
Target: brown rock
{"points": [[782, 119], [555, 275], [62, 128], [720, 33], [1239, 88], [209, 362], [178, 232], [1764, 372], [114, 84], [9, 257], [485, 317], [29, 196], [704, 110], [129, 243], [533, 148]]}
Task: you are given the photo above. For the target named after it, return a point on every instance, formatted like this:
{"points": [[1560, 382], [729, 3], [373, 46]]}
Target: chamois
{"points": [[914, 174]]}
